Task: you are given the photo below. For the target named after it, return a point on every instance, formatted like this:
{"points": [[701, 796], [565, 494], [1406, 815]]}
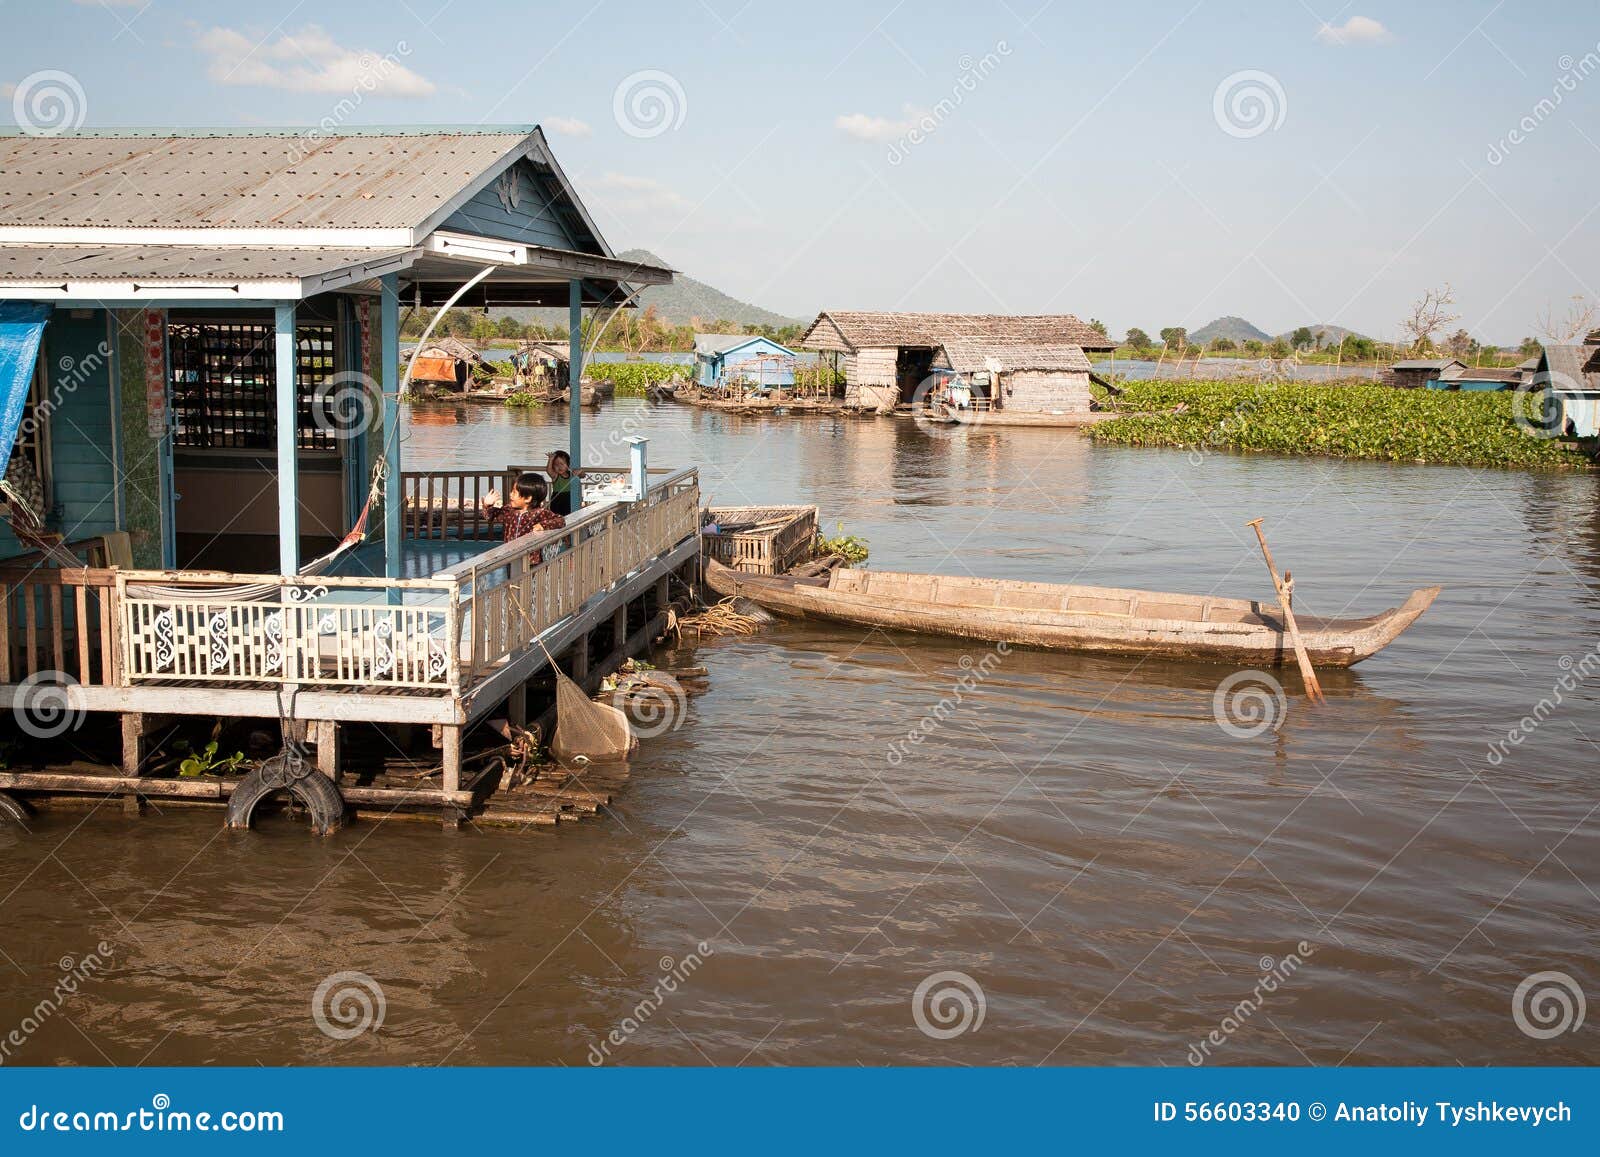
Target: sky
{"points": [[1148, 164]]}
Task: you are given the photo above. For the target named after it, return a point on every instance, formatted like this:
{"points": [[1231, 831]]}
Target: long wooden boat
{"points": [[1052, 617], [1060, 419]]}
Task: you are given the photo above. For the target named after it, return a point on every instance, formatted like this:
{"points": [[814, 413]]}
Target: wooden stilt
{"points": [[451, 780], [328, 761], [517, 705]]}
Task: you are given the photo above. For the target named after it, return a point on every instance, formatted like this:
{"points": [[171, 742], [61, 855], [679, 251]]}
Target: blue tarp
{"points": [[21, 327]]}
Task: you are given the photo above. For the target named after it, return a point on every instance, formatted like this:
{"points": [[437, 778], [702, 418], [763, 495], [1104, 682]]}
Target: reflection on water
{"points": [[1074, 833]]}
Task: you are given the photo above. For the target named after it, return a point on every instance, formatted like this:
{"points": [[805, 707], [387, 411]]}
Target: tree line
{"points": [[629, 331]]}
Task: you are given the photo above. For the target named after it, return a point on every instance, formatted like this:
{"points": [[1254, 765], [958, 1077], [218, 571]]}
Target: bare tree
{"points": [[1579, 320], [1429, 314]]}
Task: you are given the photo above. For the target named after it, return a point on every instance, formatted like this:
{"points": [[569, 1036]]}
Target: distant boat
{"points": [[1051, 617]]}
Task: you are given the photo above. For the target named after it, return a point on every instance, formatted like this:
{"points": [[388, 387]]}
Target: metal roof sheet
{"points": [[57, 263], [721, 343], [362, 180]]}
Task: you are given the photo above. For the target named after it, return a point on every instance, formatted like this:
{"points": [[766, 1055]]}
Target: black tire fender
{"points": [[289, 771]]}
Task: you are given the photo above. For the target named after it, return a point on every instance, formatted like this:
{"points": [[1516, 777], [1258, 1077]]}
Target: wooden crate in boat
{"points": [[780, 539]]}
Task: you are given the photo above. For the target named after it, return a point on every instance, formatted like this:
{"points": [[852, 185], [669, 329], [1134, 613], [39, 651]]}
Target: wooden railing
{"points": [[514, 593], [421, 635], [60, 621], [185, 626], [448, 504]]}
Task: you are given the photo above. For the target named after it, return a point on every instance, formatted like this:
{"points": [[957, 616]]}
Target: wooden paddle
{"points": [[1307, 674]]}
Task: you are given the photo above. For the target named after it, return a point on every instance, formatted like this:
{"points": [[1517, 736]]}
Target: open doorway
{"points": [[911, 366]]}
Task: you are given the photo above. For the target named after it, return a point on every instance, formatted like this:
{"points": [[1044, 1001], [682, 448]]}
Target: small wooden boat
{"points": [[1059, 419], [1051, 617]]}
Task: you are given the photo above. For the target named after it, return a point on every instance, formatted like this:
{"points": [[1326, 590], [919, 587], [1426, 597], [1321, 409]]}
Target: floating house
{"points": [[889, 356], [448, 362], [540, 365], [1419, 373], [206, 508], [743, 362], [1569, 378], [1027, 378]]}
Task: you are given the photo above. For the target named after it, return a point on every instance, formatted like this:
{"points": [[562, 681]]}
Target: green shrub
{"points": [[1344, 421]]}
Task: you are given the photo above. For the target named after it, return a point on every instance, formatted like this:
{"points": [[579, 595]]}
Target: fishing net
{"points": [[586, 730]]}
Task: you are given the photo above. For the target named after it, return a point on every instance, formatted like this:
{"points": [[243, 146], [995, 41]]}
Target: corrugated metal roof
{"points": [[1427, 364], [872, 330], [967, 357], [365, 180], [56, 263], [719, 343]]}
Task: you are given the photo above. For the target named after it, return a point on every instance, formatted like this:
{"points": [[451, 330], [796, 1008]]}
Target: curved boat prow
{"points": [[1391, 624]]}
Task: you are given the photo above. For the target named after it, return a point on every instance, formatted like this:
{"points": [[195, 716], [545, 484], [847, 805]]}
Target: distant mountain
{"points": [[679, 303], [1331, 334], [686, 299], [1235, 329]]}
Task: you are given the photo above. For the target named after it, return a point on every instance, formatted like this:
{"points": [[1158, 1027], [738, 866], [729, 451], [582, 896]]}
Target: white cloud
{"points": [[871, 128], [567, 126], [308, 61], [624, 192], [1356, 30]]}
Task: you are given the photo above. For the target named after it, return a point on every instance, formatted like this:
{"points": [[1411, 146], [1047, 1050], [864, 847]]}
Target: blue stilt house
{"points": [[742, 361], [199, 412]]}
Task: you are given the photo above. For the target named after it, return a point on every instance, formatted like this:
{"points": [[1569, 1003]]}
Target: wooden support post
{"points": [[663, 593], [328, 761], [575, 388], [619, 626], [288, 414], [578, 660], [133, 746], [451, 780], [389, 360], [517, 705]]}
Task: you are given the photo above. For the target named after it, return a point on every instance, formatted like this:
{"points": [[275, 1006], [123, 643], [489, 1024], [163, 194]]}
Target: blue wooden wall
{"points": [[710, 370], [533, 220], [83, 420]]}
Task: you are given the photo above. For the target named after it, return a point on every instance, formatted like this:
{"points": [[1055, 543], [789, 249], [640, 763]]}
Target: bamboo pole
{"points": [[1307, 674]]}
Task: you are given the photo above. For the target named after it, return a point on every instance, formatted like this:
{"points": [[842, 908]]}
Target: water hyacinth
{"points": [[1339, 421]]}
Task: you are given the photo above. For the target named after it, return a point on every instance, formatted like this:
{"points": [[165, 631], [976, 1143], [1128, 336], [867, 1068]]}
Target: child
{"points": [[524, 512], [560, 467]]}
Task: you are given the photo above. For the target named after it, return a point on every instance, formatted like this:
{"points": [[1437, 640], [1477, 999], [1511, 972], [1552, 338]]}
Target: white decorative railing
{"points": [[434, 634]]}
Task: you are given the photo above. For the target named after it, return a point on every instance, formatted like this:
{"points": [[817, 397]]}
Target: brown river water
{"points": [[1116, 877]]}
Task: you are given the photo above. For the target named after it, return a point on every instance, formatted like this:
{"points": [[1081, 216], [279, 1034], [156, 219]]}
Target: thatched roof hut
{"points": [[888, 355]]}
